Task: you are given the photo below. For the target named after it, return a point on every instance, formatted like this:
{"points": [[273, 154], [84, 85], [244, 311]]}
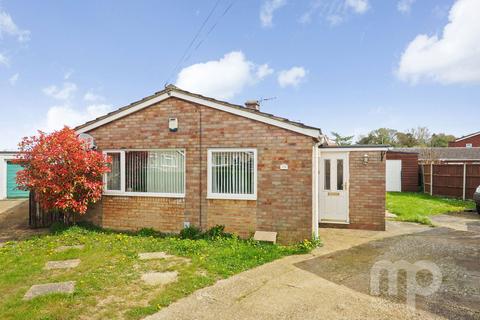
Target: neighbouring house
{"points": [[181, 159], [468, 141], [402, 171], [8, 177]]}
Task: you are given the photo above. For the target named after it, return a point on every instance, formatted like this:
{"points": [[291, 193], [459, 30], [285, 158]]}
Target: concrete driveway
{"points": [[456, 252], [287, 289], [14, 221]]}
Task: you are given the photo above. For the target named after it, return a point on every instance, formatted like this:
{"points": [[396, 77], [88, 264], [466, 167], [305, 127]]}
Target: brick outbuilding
{"points": [[182, 159]]}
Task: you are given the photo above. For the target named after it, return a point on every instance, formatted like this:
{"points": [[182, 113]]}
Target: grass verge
{"points": [[417, 207], [108, 279]]}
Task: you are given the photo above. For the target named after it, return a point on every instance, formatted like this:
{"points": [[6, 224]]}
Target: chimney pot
{"points": [[252, 104]]}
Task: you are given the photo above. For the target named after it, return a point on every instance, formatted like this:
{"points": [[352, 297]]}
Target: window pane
{"points": [[327, 174], [155, 171], [113, 177], [233, 172], [339, 174]]}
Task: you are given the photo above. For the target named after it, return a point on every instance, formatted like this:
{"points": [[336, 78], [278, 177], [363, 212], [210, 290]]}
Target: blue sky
{"points": [[342, 65]]}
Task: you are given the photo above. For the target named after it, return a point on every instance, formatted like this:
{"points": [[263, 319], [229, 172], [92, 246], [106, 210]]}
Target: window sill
{"points": [[144, 194], [231, 197]]}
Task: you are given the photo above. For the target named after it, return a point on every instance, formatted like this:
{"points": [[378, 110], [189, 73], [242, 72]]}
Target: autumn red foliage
{"points": [[61, 170]]}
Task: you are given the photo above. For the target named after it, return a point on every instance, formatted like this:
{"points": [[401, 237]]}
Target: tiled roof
{"points": [[443, 153]]}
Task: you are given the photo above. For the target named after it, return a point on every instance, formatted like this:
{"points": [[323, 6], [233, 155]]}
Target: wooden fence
{"points": [[454, 179], [38, 218]]}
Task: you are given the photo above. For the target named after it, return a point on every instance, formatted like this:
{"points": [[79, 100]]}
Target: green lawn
{"points": [[108, 279], [416, 207]]}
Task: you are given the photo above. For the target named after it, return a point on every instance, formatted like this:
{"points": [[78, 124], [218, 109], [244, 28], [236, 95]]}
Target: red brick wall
{"points": [[410, 169], [284, 196], [367, 191], [475, 141]]}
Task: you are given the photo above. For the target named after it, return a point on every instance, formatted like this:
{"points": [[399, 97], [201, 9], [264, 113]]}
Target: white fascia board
{"points": [[315, 133], [469, 136]]}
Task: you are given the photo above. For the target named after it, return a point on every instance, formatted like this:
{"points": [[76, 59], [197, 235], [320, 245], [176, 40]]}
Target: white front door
{"points": [[394, 175], [333, 193]]}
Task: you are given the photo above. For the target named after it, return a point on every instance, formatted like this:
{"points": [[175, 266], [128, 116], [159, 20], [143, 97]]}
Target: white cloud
{"points": [[404, 6], [334, 19], [4, 60], [263, 71], [223, 78], [334, 11], [13, 79], [92, 97], [8, 27], [267, 10], [65, 115], [64, 93], [358, 6], [453, 57], [291, 77]]}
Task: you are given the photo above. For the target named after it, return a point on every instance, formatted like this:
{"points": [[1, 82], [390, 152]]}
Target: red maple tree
{"points": [[62, 171]]}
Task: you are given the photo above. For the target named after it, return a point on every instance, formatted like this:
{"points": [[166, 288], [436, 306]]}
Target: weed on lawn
{"points": [[108, 278]]}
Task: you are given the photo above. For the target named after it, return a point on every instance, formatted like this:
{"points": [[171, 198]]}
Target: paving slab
{"points": [[154, 255], [159, 278], [66, 248], [265, 236], [49, 288], [62, 264], [390, 215]]}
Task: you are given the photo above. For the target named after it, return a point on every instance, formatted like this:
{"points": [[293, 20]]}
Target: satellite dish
{"points": [[88, 140]]}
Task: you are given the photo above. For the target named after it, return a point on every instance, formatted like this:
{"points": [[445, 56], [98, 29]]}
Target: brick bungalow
{"points": [[182, 159]]}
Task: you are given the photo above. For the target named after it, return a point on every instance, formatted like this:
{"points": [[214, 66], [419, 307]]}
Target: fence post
{"points": [[431, 179], [464, 179]]}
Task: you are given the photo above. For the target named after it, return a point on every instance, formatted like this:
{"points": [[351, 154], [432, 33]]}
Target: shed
{"points": [[402, 171]]}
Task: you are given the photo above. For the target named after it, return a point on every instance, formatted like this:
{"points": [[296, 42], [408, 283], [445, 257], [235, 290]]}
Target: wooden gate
{"points": [[38, 218]]}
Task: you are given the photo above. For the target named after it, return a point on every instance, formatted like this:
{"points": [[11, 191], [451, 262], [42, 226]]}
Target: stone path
{"points": [[48, 288], [59, 287], [154, 255], [152, 278], [66, 248], [159, 278], [63, 264]]}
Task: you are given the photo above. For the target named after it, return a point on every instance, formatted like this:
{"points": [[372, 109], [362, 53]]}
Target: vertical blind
{"points": [[232, 172], [156, 171]]}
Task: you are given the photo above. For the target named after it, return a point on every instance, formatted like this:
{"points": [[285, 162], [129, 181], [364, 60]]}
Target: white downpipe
{"points": [[315, 153]]}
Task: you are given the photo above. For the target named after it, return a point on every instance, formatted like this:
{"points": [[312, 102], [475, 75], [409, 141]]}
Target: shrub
{"points": [[307, 245], [194, 233], [191, 232], [216, 232]]}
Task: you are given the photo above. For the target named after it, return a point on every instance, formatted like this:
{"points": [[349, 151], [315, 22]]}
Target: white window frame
{"points": [[122, 192], [230, 196]]}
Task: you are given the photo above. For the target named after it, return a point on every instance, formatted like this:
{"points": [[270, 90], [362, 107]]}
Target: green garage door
{"points": [[12, 191]]}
